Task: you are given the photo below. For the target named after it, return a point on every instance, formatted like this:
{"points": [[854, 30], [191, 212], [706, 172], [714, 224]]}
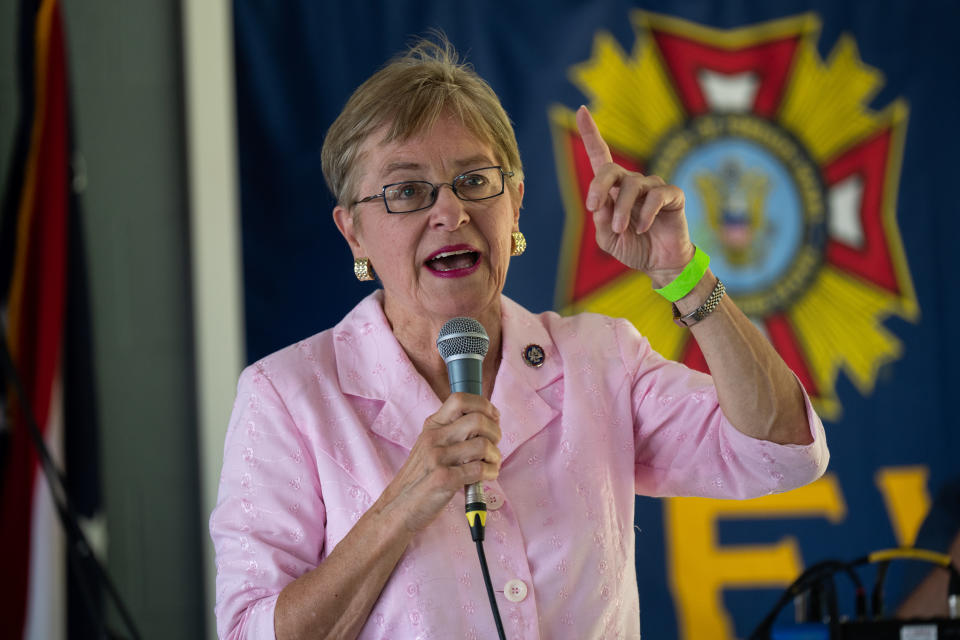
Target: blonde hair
{"points": [[409, 95]]}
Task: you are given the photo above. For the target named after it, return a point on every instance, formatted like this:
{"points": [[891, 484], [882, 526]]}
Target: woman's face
{"points": [[445, 261]]}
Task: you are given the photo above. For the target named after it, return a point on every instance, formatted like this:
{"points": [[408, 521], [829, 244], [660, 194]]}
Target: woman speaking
{"points": [[341, 507]]}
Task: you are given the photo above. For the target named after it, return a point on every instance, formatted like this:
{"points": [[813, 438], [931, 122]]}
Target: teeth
{"points": [[447, 254]]}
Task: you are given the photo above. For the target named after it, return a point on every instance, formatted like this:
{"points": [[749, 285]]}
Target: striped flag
{"points": [[43, 302]]}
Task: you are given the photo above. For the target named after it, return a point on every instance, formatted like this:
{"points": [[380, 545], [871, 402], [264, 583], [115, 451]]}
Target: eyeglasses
{"points": [[416, 195]]}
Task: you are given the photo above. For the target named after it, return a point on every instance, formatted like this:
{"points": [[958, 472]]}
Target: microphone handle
{"points": [[466, 376]]}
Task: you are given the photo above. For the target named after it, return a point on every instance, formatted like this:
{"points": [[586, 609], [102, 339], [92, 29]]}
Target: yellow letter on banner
{"points": [[904, 491], [700, 569]]}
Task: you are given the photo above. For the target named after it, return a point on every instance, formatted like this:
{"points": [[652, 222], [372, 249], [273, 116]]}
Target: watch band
{"points": [[701, 312]]}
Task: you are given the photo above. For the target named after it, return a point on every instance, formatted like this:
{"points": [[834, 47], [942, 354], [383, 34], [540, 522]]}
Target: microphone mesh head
{"points": [[460, 336]]}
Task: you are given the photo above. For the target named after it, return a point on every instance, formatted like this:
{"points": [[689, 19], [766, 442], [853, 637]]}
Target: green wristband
{"points": [[688, 278]]}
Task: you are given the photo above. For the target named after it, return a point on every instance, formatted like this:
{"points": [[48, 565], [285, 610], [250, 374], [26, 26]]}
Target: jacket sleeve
{"points": [[269, 523], [685, 446]]}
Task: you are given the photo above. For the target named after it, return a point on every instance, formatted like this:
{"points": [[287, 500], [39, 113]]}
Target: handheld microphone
{"points": [[463, 343]]}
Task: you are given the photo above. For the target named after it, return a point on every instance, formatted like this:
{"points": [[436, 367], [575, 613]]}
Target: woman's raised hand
{"points": [[458, 446], [639, 219]]}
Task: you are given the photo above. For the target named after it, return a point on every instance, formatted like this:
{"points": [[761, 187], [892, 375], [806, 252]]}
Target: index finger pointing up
{"points": [[597, 149]]}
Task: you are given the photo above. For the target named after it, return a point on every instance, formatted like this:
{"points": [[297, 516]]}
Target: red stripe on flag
{"points": [[37, 301]]}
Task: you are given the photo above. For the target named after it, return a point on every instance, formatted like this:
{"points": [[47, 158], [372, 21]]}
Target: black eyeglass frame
{"points": [[435, 189]]}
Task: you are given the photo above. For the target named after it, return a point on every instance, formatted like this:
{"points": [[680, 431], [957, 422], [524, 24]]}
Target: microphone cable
{"points": [[476, 508], [490, 594]]}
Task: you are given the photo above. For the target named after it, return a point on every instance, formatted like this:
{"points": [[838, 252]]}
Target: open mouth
{"points": [[454, 262]]}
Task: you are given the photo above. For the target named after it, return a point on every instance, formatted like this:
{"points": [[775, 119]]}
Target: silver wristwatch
{"points": [[701, 312]]}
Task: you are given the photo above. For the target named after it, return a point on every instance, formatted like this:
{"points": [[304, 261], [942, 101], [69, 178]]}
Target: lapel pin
{"points": [[533, 355]]}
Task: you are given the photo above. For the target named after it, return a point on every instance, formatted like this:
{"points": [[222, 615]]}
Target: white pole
{"points": [[215, 242]]}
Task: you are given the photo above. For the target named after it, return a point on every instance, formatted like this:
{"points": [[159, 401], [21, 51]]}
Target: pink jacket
{"points": [[321, 427]]}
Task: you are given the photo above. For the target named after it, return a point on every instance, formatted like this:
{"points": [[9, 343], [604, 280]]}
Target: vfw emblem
{"points": [[791, 184]]}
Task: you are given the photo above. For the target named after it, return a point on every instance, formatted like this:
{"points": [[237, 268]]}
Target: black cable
{"points": [[799, 585], [80, 549], [876, 597], [826, 569], [476, 509], [490, 594], [860, 600], [813, 575], [884, 556], [833, 608]]}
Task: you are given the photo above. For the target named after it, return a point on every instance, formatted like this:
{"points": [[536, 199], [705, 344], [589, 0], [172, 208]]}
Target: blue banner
{"points": [[814, 141]]}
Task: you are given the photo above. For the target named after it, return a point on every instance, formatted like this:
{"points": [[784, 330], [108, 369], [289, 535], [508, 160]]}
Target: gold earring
{"points": [[362, 269], [518, 244]]}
